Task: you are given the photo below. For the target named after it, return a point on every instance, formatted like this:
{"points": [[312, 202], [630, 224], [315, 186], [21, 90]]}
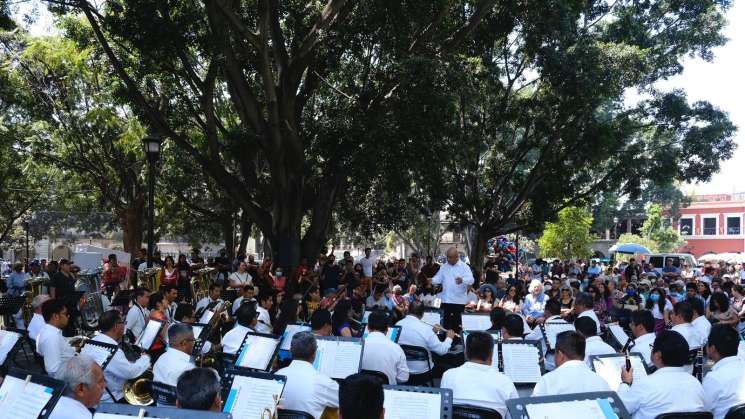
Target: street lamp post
{"points": [[151, 145]]}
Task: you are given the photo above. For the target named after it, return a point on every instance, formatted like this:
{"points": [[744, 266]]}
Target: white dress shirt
{"points": [[414, 332], [264, 320], [232, 340], [691, 335], [702, 326], [591, 314], [643, 346], [571, 377], [669, 389], [307, 390], [241, 279], [119, 370], [594, 345], [380, 354], [54, 348], [204, 302], [536, 334], [367, 266], [69, 408], [453, 293], [724, 386], [171, 312], [35, 325], [171, 365], [136, 319], [479, 385]]}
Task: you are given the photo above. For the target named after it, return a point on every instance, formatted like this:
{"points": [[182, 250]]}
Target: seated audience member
{"points": [[583, 307], [84, 387], [670, 388], [199, 389], [572, 375], [476, 382], [320, 322], [642, 327], [415, 332], [51, 344], [307, 390], [682, 318], [361, 397], [594, 345], [724, 385], [246, 322], [513, 328], [381, 354], [177, 358]]}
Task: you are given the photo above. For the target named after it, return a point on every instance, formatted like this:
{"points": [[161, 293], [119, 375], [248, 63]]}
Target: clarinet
{"points": [[625, 351], [545, 336], [500, 354]]}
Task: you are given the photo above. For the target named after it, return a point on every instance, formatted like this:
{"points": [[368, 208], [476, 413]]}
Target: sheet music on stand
{"points": [[393, 333], [257, 351], [28, 396], [151, 331], [201, 334], [619, 335], [432, 316], [248, 394], [338, 357], [407, 402], [206, 316], [474, 322], [608, 367], [101, 352], [8, 341], [290, 331], [553, 329], [125, 411], [597, 405], [522, 360]]}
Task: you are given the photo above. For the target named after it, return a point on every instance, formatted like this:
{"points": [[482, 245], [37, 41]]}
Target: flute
{"points": [[437, 326]]}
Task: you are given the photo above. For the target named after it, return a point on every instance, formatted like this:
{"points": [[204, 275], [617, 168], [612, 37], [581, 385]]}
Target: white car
{"points": [[658, 260]]}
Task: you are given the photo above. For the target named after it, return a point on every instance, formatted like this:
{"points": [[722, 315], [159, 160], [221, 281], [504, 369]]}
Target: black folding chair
{"points": [[467, 411], [293, 414], [417, 353], [163, 394], [736, 412], [377, 374], [685, 415]]}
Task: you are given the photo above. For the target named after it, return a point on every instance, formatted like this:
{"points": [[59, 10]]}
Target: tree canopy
{"points": [[569, 237]]}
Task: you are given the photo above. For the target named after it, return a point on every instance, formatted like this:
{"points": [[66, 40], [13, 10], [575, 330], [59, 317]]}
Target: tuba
{"points": [[139, 391]]}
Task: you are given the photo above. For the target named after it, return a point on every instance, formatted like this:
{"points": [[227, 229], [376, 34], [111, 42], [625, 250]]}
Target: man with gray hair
{"points": [[307, 390], [177, 359], [36, 323], [85, 385]]}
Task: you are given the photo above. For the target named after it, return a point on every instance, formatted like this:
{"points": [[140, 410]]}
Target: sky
{"points": [[719, 82]]}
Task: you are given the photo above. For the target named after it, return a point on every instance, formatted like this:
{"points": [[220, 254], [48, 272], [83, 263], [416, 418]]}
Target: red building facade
{"points": [[713, 223]]}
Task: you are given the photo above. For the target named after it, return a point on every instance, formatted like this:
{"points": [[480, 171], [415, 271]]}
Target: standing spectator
{"points": [[113, 275], [330, 275], [168, 273], [367, 262], [491, 270], [184, 278]]}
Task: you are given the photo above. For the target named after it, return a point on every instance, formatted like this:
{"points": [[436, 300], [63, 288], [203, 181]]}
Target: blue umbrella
{"points": [[630, 248]]}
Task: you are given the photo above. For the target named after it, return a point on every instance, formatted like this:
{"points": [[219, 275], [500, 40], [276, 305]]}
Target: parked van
{"points": [[658, 260]]}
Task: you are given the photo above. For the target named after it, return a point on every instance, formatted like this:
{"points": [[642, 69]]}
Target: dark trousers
{"points": [[451, 316]]}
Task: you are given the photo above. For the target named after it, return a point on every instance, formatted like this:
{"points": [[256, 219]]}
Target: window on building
{"points": [[733, 225], [686, 226], [710, 226]]}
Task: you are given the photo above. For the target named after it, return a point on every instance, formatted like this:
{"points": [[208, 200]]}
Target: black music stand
{"points": [[288, 339], [125, 411], [537, 344], [109, 347], [482, 316], [518, 407], [396, 330], [617, 344], [160, 329], [9, 306], [201, 338], [243, 345], [56, 386], [11, 355], [228, 395], [446, 396], [631, 355], [342, 339]]}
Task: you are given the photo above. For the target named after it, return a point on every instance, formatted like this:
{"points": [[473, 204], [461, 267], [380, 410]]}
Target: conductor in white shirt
{"points": [[119, 369], [642, 327], [455, 278], [233, 340], [307, 390], [477, 382], [51, 344], [177, 358], [594, 345], [138, 314], [670, 388], [85, 385], [415, 332], [572, 375], [724, 385], [381, 354]]}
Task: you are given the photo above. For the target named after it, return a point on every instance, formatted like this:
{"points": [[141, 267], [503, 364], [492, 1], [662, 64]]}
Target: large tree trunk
{"points": [[226, 224], [246, 225], [132, 221], [476, 244]]}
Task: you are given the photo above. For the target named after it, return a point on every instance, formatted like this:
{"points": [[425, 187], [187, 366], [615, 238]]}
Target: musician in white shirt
{"points": [[478, 382], [138, 314], [513, 328], [320, 323], [361, 397], [700, 322], [247, 294], [594, 345], [682, 318], [381, 354], [552, 314], [455, 278], [51, 344], [241, 277], [211, 300], [170, 294], [572, 375], [233, 340], [264, 321], [583, 307], [415, 332], [119, 369], [642, 327], [37, 321], [724, 385], [177, 358], [85, 385], [307, 390], [199, 389], [669, 389]]}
